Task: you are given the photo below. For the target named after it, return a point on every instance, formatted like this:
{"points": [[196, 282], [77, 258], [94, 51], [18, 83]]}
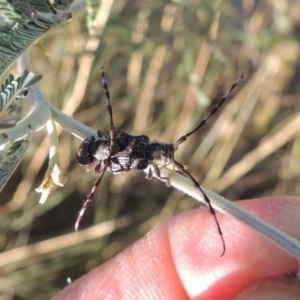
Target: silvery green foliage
{"points": [[11, 89], [62, 4], [10, 157], [23, 23], [15, 87], [27, 21]]}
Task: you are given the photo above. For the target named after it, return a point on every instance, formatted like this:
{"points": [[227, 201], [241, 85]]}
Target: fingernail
{"points": [[272, 289]]}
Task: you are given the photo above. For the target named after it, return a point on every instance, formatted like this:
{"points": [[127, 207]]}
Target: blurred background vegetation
{"points": [[167, 63]]}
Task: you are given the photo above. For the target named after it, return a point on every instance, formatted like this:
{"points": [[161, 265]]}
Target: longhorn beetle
{"points": [[121, 152]]}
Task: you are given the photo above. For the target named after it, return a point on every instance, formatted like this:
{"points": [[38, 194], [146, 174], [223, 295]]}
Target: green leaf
{"points": [[10, 160], [26, 25], [14, 87]]}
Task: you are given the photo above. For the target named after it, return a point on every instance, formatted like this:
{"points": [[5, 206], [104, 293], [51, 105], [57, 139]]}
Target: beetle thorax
{"points": [[160, 154], [100, 149]]}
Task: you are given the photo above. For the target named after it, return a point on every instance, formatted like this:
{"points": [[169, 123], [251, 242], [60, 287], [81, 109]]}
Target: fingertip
{"points": [[180, 257]]}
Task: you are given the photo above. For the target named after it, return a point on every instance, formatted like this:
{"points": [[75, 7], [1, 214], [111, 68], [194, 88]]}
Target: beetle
{"points": [[121, 152]]}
